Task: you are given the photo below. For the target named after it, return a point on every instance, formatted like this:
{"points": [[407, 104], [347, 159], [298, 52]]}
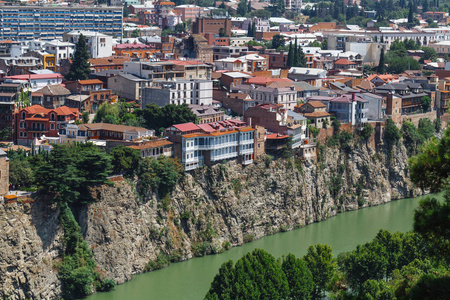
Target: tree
{"points": [[257, 275], [299, 277], [125, 160], [222, 32], [366, 132], [426, 128], [136, 33], [301, 58], [426, 103], [295, 54], [250, 30], [429, 53], [290, 58], [85, 117], [249, 6], [242, 8], [20, 172], [391, 134], [411, 137], [320, 262], [430, 169], [126, 11], [381, 64], [410, 13], [79, 69], [400, 64], [278, 41]]}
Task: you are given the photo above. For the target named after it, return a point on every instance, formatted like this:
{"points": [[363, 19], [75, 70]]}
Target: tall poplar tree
{"points": [[250, 30], [80, 68]]}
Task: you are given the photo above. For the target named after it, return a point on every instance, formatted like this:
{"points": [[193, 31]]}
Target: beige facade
{"points": [[4, 173]]}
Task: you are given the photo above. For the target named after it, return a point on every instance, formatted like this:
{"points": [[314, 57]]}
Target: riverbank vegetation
{"points": [[412, 265]]}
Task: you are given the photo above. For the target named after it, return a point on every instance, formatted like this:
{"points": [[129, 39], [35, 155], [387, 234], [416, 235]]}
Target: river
{"points": [[191, 279]]}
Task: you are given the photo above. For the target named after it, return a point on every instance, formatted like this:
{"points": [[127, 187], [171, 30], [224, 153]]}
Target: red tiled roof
{"points": [[186, 127], [264, 80], [276, 136], [317, 114], [64, 110], [344, 61], [36, 109], [91, 81], [316, 104]]}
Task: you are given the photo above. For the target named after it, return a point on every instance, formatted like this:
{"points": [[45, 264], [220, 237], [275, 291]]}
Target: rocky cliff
{"points": [[208, 212]]}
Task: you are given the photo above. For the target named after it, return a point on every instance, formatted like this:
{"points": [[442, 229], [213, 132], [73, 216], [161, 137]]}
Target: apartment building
{"points": [[128, 86], [189, 12], [211, 25], [273, 94], [206, 144], [99, 44], [61, 50], [171, 69], [36, 81], [50, 22], [178, 92]]}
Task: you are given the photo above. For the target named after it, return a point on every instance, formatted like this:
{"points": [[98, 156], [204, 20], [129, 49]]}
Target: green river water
{"points": [[191, 279]]}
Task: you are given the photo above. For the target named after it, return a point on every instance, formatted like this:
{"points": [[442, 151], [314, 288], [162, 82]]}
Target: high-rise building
{"points": [[50, 22]]}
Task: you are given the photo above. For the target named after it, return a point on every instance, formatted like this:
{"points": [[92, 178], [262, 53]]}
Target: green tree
{"points": [[295, 56], [250, 30], [426, 128], [410, 13], [366, 132], [426, 103], [106, 109], [80, 67], [242, 8], [20, 172], [126, 11], [391, 135], [290, 58], [125, 160], [257, 275], [85, 117], [321, 263], [301, 58], [429, 53], [136, 33], [411, 137], [299, 277], [278, 41], [381, 64]]}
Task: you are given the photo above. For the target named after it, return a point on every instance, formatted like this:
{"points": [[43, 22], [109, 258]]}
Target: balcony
{"points": [[246, 151], [247, 162], [224, 156]]}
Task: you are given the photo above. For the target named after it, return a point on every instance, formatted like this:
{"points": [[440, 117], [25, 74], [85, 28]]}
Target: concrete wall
{"points": [[4, 175]]}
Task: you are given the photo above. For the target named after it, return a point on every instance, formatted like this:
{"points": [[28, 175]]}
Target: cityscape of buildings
{"points": [[248, 96]]}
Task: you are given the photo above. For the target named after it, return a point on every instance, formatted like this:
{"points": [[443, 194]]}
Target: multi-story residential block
{"points": [[410, 93], [7, 113], [92, 87], [107, 63], [36, 81], [231, 64], [272, 94], [444, 97], [256, 62], [206, 144], [190, 12], [215, 39], [348, 108], [134, 50], [128, 86], [50, 22], [19, 65], [232, 79], [277, 60], [35, 121], [221, 52], [99, 44], [178, 92], [61, 50], [438, 16], [212, 25], [167, 70], [305, 90], [50, 96], [281, 121], [237, 102]]}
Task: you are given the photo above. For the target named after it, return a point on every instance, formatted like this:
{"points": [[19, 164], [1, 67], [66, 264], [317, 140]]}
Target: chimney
{"points": [[353, 96]]}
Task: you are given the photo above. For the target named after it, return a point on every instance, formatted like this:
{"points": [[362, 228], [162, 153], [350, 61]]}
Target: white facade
{"points": [[61, 50], [231, 64], [99, 44]]}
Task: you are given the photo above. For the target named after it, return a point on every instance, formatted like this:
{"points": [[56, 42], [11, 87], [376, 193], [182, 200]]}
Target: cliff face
{"points": [[29, 246], [229, 204], [209, 211]]}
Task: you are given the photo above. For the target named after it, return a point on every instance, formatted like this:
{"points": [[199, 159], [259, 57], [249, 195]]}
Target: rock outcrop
{"points": [[208, 212]]}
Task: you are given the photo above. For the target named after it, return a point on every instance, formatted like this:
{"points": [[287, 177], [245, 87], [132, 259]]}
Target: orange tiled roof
{"points": [[91, 81], [316, 104], [151, 144], [317, 114]]}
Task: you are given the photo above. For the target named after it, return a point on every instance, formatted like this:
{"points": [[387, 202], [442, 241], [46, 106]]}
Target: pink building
{"points": [[189, 11]]}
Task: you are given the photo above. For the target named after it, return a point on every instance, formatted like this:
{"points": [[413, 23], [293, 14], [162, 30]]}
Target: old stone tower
{"points": [[4, 173]]}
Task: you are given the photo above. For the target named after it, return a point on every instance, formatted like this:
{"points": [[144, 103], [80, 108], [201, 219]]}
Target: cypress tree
{"points": [[290, 60], [80, 70], [254, 30], [301, 57], [381, 65], [295, 54], [249, 6], [410, 14], [249, 30]]}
